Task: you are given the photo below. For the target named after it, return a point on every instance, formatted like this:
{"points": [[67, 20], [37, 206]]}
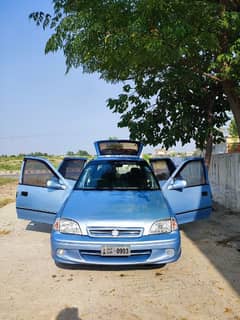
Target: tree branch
{"points": [[211, 76]]}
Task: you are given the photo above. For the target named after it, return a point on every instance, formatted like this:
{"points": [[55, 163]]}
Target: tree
{"points": [[186, 108], [233, 129], [70, 153], [150, 43], [39, 154], [113, 138], [83, 153]]}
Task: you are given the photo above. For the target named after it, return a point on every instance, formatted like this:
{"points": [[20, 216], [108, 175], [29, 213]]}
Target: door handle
{"points": [[204, 193], [24, 193]]}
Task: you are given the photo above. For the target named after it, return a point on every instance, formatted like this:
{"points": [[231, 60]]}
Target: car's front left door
{"points": [[41, 191], [188, 191]]}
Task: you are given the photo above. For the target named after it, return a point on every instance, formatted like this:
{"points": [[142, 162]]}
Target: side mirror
{"points": [[177, 185], [55, 184]]}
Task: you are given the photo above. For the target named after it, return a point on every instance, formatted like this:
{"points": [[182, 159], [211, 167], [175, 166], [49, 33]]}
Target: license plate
{"points": [[115, 251]]}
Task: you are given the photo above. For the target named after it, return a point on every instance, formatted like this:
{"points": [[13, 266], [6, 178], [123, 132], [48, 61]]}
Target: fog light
{"points": [[60, 252], [170, 252]]}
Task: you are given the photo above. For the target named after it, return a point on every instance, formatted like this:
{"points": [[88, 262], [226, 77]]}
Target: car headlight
{"points": [[164, 226], [66, 226]]}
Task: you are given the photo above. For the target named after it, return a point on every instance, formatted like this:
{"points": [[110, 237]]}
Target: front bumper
{"points": [[152, 249]]}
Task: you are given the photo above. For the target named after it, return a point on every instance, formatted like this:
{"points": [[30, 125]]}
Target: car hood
{"points": [[115, 208]]}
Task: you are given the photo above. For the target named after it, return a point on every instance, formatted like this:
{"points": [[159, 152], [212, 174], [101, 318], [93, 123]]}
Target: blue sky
{"points": [[41, 108]]}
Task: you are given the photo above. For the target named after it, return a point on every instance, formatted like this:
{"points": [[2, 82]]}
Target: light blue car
{"points": [[115, 209]]}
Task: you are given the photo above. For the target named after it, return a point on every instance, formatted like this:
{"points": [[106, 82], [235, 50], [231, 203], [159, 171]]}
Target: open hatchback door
{"points": [[118, 148], [42, 189], [186, 189]]}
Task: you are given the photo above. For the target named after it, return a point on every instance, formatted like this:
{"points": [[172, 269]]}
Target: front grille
{"points": [[112, 232]]}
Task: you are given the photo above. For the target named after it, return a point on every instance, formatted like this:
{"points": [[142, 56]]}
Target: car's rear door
{"points": [[41, 191], [71, 167], [163, 168], [194, 201]]}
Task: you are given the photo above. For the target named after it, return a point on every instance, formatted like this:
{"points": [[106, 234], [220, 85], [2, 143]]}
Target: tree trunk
{"points": [[208, 151], [209, 140], [234, 101]]}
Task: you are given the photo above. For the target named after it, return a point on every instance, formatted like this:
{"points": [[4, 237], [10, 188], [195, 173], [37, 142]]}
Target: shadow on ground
{"points": [[68, 314], [39, 227], [218, 238], [108, 268]]}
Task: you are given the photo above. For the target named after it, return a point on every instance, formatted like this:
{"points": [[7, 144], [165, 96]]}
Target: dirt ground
{"points": [[203, 284]]}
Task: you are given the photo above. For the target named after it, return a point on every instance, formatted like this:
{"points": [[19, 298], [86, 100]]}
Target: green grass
{"points": [[10, 164], [13, 163]]}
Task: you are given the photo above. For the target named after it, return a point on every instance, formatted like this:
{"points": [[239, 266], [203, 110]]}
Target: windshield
{"points": [[117, 175]]}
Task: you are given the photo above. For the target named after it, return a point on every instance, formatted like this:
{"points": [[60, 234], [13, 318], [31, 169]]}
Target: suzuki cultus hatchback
{"points": [[115, 209]]}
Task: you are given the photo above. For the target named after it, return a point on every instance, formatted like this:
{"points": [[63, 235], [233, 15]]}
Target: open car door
{"points": [[41, 191], [163, 168], [188, 191], [70, 168]]}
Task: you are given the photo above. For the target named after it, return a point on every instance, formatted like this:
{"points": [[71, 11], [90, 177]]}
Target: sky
{"points": [[41, 108]]}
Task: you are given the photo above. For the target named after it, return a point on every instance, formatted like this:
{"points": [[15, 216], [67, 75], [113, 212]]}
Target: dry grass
{"points": [[5, 201], [6, 180], [4, 232], [8, 188]]}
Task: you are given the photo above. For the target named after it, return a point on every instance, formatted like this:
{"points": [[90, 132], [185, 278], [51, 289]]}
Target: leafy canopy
{"points": [[172, 56]]}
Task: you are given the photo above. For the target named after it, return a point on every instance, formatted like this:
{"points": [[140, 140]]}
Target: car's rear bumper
{"points": [[154, 249]]}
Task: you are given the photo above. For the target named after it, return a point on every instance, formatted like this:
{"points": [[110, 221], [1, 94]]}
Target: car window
{"points": [[71, 168], [193, 172], [36, 173], [119, 147], [117, 175], [163, 168]]}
